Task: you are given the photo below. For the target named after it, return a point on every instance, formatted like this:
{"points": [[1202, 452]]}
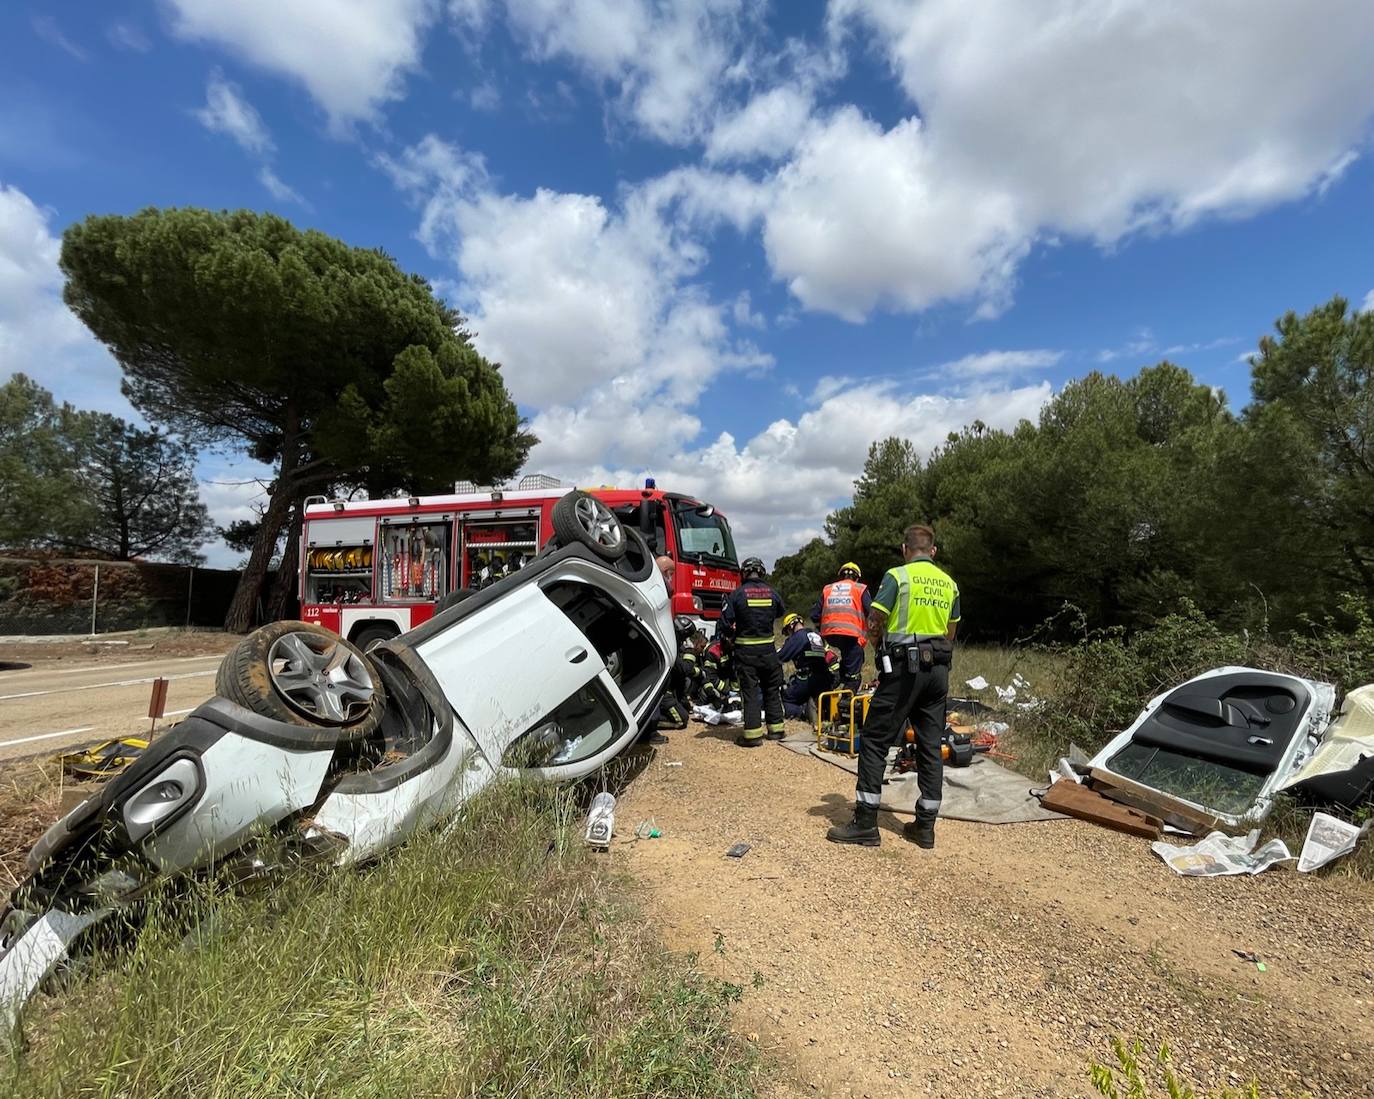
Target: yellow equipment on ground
{"points": [[104, 759], [840, 715]]}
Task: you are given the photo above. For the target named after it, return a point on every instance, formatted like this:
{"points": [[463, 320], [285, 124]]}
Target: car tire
{"points": [[370, 635], [283, 671], [579, 518]]}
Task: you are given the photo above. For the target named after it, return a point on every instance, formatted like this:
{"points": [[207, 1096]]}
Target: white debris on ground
{"points": [[1219, 855], [712, 716], [1008, 695], [1328, 838]]}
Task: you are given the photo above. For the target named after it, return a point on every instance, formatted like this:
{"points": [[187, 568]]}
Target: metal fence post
{"points": [[190, 583], [95, 598]]}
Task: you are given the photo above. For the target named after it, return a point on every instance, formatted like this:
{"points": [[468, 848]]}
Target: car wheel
{"points": [[581, 518], [304, 675]]}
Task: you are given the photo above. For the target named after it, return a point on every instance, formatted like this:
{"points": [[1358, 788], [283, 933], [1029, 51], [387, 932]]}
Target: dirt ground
{"points": [[113, 648], [999, 963]]}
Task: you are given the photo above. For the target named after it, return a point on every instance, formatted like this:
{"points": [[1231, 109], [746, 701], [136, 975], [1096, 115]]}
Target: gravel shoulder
{"points": [[1001, 962]]}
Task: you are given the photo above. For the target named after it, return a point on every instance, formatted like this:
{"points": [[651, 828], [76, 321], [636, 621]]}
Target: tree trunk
{"points": [[283, 601], [240, 616]]}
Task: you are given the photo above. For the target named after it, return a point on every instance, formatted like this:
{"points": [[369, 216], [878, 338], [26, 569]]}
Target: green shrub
{"points": [[1138, 1076]]}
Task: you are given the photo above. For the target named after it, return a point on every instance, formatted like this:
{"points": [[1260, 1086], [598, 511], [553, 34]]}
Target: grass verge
{"points": [[492, 957]]}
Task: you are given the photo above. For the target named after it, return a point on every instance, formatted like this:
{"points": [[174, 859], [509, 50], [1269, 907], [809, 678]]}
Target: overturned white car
{"points": [[312, 743]]}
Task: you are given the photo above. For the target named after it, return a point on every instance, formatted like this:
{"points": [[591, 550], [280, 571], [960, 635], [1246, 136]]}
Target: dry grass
{"points": [[490, 958]]}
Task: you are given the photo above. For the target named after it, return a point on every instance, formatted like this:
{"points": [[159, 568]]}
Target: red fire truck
{"points": [[371, 569]]}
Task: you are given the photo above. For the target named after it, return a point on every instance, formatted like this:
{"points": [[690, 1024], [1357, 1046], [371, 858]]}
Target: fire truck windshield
{"points": [[704, 536]]}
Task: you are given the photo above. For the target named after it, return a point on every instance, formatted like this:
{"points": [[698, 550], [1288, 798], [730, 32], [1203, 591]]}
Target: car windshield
{"points": [[707, 536]]}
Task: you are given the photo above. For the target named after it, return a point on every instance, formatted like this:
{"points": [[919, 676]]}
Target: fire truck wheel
{"points": [[370, 635], [581, 517], [304, 674]]}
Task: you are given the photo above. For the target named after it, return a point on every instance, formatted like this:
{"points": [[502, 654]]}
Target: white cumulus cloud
{"points": [[39, 335], [1041, 118], [592, 308], [227, 112], [351, 55], [663, 63]]}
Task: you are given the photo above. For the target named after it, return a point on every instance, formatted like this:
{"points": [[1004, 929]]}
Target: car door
{"points": [[507, 667]]}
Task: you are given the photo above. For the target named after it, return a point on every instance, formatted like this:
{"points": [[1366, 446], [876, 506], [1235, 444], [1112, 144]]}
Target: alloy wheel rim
{"points": [[320, 678], [598, 521]]}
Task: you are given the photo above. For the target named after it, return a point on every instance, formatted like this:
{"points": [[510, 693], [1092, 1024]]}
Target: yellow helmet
{"points": [[791, 620], [849, 566]]}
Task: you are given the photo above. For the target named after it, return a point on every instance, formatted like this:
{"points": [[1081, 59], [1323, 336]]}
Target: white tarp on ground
{"points": [[1328, 838], [712, 716], [1219, 854], [983, 792]]}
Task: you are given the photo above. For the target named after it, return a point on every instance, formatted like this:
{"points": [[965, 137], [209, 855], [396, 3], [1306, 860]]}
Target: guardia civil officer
{"points": [[747, 618], [842, 615], [912, 625]]}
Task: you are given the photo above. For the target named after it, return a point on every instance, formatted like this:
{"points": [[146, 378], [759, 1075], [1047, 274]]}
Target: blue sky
{"points": [[727, 242]]}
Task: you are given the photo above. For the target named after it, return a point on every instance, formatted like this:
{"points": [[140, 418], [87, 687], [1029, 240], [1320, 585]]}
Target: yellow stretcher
{"points": [[104, 759]]}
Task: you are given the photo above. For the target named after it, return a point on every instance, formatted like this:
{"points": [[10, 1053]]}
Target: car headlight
{"points": [[697, 604], [161, 798]]}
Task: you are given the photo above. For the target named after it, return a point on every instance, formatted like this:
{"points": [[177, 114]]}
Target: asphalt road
{"points": [[51, 709]]}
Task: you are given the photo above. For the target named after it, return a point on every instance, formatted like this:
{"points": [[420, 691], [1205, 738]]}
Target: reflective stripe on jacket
{"points": [[842, 610]]}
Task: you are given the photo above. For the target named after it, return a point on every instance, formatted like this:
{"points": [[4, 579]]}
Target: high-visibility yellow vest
{"points": [[925, 599]]}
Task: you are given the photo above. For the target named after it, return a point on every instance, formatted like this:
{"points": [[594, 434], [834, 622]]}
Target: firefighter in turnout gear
{"points": [[748, 618], [912, 625], [674, 708], [814, 665], [690, 655], [842, 615], [717, 673]]}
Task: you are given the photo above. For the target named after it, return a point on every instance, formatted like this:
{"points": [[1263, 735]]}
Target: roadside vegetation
{"points": [[1129, 495], [491, 957], [1132, 1073]]}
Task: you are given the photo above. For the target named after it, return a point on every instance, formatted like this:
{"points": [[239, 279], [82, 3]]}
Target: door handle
{"points": [[576, 656]]}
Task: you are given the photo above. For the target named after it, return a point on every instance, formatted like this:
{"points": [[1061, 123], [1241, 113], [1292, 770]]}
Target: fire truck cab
{"points": [[372, 569]]}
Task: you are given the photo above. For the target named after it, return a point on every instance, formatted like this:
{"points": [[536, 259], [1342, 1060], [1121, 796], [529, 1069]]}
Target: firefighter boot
{"points": [[862, 830], [921, 831]]}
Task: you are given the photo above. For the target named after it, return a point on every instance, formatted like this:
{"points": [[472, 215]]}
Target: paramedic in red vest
{"points": [[842, 615], [747, 619]]}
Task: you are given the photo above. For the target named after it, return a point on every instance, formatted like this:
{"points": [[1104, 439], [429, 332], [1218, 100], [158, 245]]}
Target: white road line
{"points": [[99, 686], [45, 736], [21, 673], [174, 713]]}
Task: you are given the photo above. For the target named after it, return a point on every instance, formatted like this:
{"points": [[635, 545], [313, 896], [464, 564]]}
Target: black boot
{"points": [[862, 830], [921, 831]]}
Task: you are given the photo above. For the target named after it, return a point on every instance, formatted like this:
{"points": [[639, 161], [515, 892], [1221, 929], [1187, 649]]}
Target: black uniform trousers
{"points": [[851, 659], [760, 670], [904, 695]]}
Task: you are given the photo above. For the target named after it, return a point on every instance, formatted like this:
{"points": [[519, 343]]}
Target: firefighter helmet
{"points": [[683, 626], [753, 566], [790, 620], [851, 569]]}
